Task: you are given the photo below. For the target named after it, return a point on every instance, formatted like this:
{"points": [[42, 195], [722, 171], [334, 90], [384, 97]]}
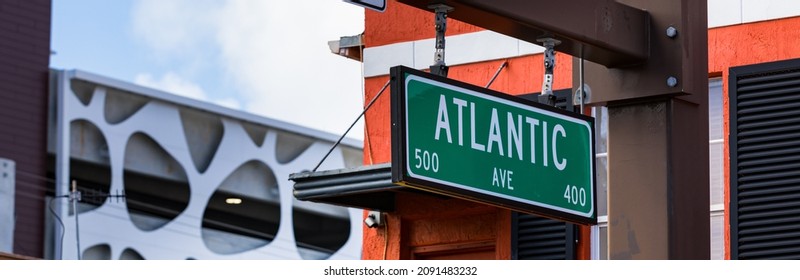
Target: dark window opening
{"points": [[252, 218], [320, 232]]}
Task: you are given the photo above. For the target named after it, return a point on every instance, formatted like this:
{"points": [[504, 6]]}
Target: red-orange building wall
{"points": [[458, 222], [423, 225]]}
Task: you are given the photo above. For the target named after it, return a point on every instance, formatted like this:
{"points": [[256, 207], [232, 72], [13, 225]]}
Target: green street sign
{"points": [[460, 140]]}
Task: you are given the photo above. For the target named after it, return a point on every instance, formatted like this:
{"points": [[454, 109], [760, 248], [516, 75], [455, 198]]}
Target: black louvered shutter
{"points": [[765, 160], [537, 238]]}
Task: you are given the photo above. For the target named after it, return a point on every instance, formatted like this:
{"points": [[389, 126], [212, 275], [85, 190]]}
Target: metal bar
{"points": [[346, 189], [497, 73], [581, 91], [547, 96], [7, 213], [440, 19], [612, 33], [62, 136], [75, 197], [344, 179]]}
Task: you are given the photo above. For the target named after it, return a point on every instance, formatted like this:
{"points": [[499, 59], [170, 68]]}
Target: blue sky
{"points": [[269, 58]]}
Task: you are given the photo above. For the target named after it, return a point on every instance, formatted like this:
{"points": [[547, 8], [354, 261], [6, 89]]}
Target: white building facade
{"points": [[166, 177]]}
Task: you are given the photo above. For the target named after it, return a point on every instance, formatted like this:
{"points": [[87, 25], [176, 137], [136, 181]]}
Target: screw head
{"points": [[672, 81], [672, 32]]}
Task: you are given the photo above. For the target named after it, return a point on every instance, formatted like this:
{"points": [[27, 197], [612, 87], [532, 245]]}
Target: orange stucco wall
{"points": [[401, 23], [746, 44]]}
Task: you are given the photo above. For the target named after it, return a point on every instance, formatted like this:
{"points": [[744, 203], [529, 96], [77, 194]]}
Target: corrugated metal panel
{"points": [[366, 187], [765, 160]]}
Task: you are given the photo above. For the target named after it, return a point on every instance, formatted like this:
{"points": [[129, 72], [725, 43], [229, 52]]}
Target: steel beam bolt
{"points": [[672, 32], [672, 81]]}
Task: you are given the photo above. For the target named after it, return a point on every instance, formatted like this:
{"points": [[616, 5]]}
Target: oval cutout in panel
{"points": [[156, 186], [89, 164], [319, 230], [244, 212], [83, 90], [97, 252], [289, 146], [121, 105], [256, 132], [130, 254], [203, 133]]}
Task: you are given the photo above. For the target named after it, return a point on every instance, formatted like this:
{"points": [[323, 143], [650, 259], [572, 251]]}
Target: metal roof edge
{"points": [[365, 187], [206, 106]]}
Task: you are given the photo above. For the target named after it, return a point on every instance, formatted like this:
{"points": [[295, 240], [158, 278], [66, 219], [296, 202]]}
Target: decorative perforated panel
{"points": [[201, 181]]}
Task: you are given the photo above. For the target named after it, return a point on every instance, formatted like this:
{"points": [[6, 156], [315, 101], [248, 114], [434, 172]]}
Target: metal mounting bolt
{"points": [[672, 32], [582, 96], [672, 81]]}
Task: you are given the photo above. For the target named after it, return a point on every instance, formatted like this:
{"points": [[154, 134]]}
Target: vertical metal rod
{"points": [[549, 66], [581, 92], [75, 196], [385, 218], [441, 27], [62, 149], [440, 20], [547, 96], [594, 237]]}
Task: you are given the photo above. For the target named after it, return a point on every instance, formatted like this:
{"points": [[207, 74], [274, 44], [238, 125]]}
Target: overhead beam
{"points": [[635, 49], [604, 31]]}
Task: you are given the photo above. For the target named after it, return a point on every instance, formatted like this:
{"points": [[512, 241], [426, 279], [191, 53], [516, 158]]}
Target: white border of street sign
{"points": [[499, 100], [402, 174]]}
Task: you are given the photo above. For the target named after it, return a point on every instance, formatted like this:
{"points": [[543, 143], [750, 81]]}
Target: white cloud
{"points": [[173, 26], [273, 53], [173, 83]]}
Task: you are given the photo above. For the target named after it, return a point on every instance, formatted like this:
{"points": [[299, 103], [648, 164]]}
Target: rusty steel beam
{"points": [[607, 32], [651, 70], [678, 62], [635, 49]]}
